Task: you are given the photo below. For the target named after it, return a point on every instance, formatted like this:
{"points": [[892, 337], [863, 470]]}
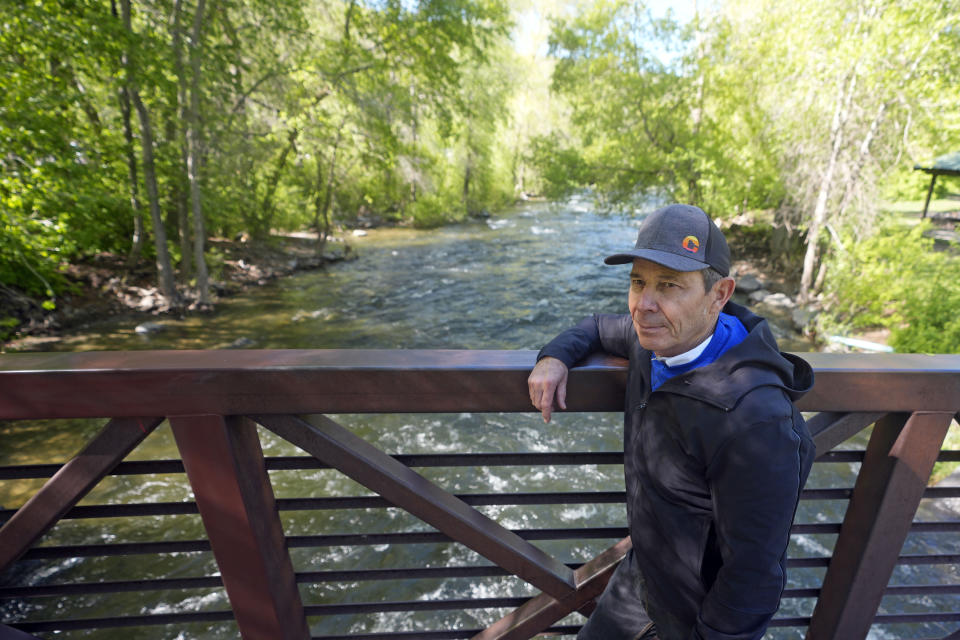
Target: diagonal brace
{"points": [[70, 484], [10, 633], [338, 447], [540, 612], [830, 429]]}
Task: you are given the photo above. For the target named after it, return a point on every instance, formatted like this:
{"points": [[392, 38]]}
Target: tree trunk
{"points": [[697, 108], [164, 270], [853, 180], [466, 185], [467, 171], [878, 118], [193, 155], [181, 184], [123, 94], [324, 210], [266, 206], [136, 246], [414, 131], [840, 115]]}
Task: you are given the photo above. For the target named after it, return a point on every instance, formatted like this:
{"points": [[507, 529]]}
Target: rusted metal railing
{"points": [[215, 400]]}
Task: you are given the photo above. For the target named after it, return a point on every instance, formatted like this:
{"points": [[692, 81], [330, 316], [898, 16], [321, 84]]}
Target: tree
{"points": [[234, 115], [651, 112], [62, 174], [193, 152], [842, 83], [164, 266]]}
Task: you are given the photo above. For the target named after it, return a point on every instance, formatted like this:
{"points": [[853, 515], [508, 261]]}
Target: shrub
{"points": [[896, 279], [432, 210]]}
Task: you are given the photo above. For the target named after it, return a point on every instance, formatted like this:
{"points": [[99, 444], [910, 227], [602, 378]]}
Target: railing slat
{"points": [[73, 481], [119, 622], [897, 465], [225, 466], [402, 486]]}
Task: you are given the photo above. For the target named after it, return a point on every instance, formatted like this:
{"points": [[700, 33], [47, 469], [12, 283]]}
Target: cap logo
{"points": [[691, 244]]}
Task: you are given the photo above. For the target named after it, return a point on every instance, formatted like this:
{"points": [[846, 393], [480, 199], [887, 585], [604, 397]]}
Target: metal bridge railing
{"points": [[216, 403]]}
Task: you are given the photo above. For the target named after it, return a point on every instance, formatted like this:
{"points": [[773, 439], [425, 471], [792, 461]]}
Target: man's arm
{"points": [[755, 481], [547, 383]]}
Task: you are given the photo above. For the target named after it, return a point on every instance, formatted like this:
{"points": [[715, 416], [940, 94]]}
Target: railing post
{"points": [[894, 474], [225, 466]]}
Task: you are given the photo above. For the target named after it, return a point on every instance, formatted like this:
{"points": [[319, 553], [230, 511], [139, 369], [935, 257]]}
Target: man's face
{"points": [[672, 312]]}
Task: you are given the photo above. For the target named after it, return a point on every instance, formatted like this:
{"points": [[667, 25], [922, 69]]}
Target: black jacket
{"points": [[714, 461]]}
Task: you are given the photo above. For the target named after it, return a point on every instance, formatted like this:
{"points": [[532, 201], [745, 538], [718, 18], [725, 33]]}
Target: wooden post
{"points": [[224, 462], [889, 487]]}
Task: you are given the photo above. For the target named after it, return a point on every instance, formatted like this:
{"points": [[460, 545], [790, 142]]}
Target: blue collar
{"points": [[728, 333]]}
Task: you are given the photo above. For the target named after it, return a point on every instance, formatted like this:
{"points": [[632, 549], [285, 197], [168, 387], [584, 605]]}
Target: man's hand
{"points": [[547, 381]]}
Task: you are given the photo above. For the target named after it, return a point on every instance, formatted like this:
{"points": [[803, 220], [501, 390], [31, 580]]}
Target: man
{"points": [[715, 453]]}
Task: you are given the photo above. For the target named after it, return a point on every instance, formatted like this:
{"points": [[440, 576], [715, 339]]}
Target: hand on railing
{"points": [[548, 381]]}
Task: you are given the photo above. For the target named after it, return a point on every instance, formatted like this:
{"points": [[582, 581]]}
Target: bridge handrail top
{"points": [[405, 359]]}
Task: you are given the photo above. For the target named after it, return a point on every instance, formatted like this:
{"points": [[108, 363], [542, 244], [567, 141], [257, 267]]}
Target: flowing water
{"points": [[510, 282]]}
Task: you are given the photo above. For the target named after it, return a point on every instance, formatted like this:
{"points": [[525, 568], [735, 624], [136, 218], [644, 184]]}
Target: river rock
{"points": [[759, 295], [749, 283], [801, 317], [149, 327], [359, 233], [780, 300]]}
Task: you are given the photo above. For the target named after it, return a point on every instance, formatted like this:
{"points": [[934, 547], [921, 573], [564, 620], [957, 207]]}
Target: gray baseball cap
{"points": [[680, 237]]}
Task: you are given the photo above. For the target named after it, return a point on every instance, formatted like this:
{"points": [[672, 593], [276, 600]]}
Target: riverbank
{"points": [[102, 287]]}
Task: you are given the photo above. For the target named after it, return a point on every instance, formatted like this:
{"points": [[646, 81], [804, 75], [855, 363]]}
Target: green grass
{"points": [[915, 207]]}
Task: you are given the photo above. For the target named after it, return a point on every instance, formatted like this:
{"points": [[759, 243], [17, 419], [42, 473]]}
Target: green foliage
{"points": [[430, 211], [657, 107], [308, 111], [561, 167], [422, 112], [896, 279], [57, 173], [7, 327]]}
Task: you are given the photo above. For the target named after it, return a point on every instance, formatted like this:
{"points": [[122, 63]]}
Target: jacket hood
{"points": [[754, 362]]}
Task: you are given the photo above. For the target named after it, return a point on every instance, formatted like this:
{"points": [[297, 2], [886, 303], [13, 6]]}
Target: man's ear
{"points": [[721, 293]]}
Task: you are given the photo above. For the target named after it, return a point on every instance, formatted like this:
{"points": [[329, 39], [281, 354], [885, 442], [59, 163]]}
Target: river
{"points": [[509, 282]]}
